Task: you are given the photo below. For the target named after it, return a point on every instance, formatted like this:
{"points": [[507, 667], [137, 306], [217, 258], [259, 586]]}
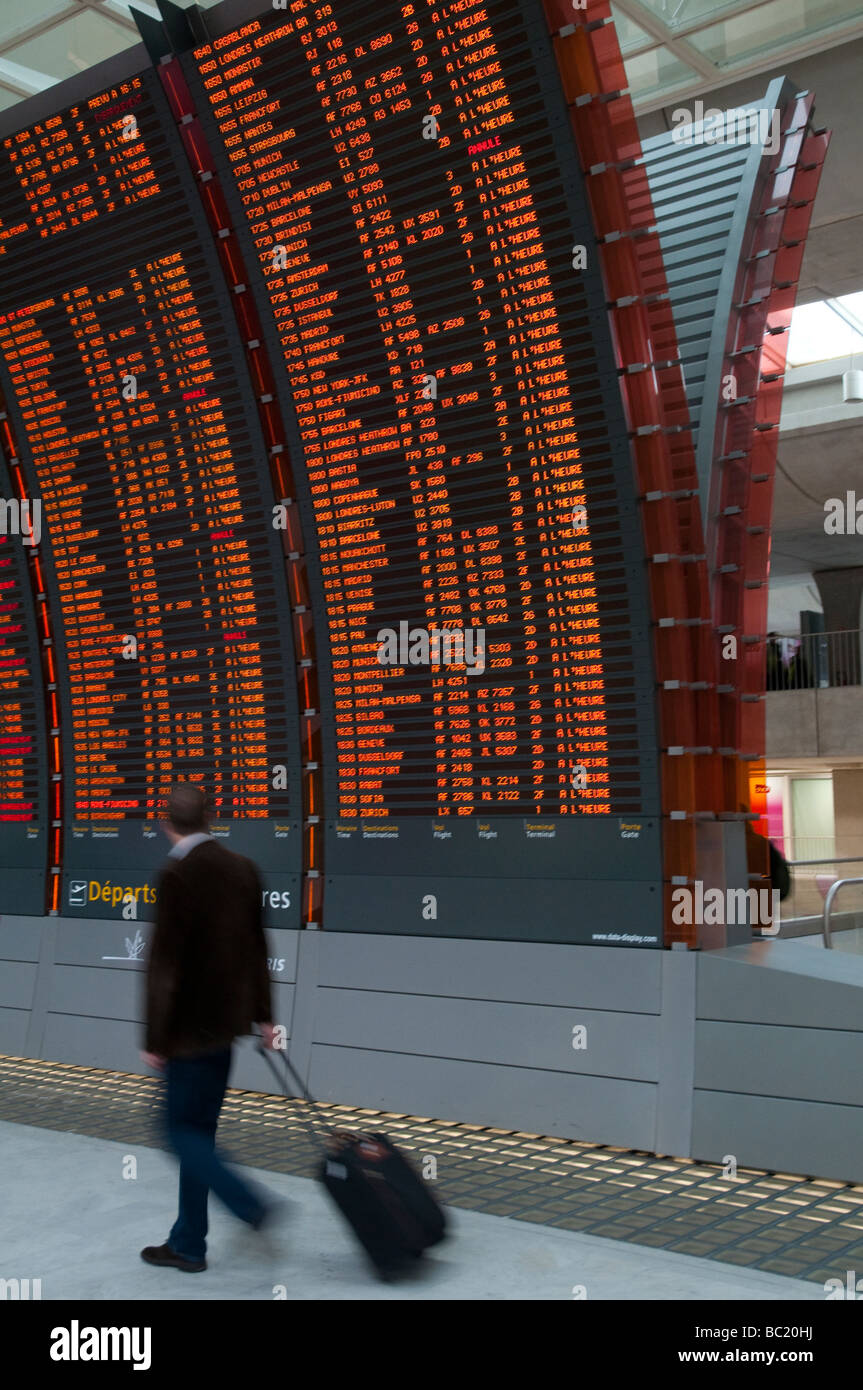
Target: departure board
{"points": [[119, 359], [405, 182], [382, 202], [23, 764]]}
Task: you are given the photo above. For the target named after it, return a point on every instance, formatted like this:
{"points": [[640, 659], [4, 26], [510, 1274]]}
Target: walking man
{"points": [[207, 983]]}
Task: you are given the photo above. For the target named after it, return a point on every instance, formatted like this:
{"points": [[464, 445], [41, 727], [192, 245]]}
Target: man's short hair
{"points": [[187, 808]]}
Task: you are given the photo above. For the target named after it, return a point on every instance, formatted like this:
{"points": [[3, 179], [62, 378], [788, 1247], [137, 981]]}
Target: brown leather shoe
{"points": [[164, 1255]]}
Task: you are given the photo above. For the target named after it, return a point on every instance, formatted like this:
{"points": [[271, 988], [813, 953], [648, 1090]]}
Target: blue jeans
{"points": [[195, 1089]]}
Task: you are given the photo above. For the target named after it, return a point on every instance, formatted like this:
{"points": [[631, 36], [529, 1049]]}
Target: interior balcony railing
{"points": [[814, 661]]}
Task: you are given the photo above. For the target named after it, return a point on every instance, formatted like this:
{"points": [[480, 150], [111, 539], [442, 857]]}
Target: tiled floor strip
{"points": [[777, 1222]]}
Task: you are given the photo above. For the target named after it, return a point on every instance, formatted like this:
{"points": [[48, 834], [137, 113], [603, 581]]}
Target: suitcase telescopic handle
{"points": [[267, 1054], [308, 1123]]}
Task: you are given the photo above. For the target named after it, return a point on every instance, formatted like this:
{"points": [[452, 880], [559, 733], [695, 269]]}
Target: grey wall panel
{"points": [[35, 1027], [540, 1102], [21, 937], [594, 977], [284, 998], [781, 982], [481, 1032], [521, 1035], [17, 984], [283, 946], [305, 1001], [676, 1043], [249, 1072], [13, 1032], [110, 994], [118, 995], [114, 1044], [798, 1063], [786, 1136], [103, 943]]}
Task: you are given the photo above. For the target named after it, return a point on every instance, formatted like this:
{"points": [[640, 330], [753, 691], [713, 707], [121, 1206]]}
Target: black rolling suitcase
{"points": [[388, 1205]]}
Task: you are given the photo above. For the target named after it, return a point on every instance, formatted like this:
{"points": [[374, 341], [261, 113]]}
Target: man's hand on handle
{"points": [[266, 1031]]}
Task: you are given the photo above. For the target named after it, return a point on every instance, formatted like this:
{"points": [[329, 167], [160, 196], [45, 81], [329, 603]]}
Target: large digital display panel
{"points": [[415, 235], [404, 182], [24, 814], [141, 444]]}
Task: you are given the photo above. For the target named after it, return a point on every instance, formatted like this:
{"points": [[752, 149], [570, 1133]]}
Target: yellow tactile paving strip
{"points": [[777, 1222]]}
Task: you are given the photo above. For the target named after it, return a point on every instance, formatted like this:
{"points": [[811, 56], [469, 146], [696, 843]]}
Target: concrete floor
{"points": [[70, 1218]]}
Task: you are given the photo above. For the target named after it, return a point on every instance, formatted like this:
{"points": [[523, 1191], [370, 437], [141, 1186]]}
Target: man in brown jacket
{"points": [[207, 983]]}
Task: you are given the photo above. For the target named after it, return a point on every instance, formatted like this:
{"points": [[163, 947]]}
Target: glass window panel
{"points": [[8, 98], [15, 16], [770, 26], [629, 35], [681, 13], [854, 305], [649, 72], [818, 334], [72, 46]]}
